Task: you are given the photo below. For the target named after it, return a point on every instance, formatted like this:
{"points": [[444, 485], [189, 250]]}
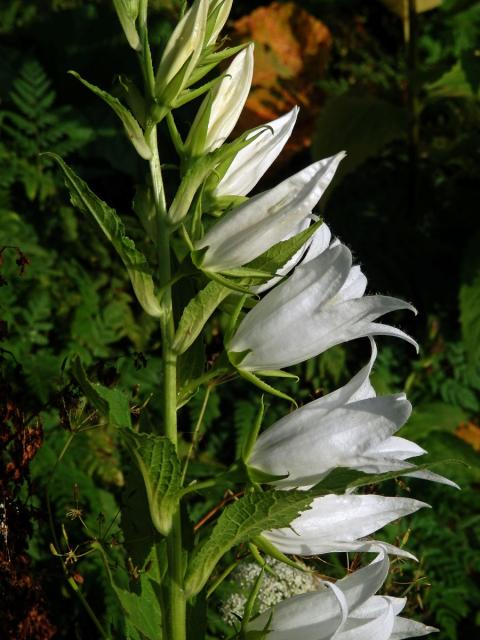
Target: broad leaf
{"points": [[138, 269], [142, 607], [241, 522], [196, 314], [112, 403], [157, 461], [132, 128]]}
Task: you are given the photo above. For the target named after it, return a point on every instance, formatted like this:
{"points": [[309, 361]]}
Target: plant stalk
{"points": [[174, 609]]}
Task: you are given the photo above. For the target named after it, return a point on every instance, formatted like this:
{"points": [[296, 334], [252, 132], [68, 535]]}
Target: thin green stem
{"points": [[196, 432]]}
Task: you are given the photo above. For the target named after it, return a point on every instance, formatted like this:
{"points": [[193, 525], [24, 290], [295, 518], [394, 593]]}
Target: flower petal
{"points": [[252, 161], [318, 298], [309, 442], [334, 522], [316, 616], [266, 219]]}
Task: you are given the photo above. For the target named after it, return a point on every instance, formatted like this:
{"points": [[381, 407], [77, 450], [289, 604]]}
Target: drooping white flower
{"points": [[350, 427], [266, 219], [252, 161], [320, 305], [348, 610], [340, 523], [219, 112]]}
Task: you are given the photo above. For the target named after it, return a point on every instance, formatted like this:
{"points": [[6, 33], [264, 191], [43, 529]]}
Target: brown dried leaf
{"points": [[292, 48]]}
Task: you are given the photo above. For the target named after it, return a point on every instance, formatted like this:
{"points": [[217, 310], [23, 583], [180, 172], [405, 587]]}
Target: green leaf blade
{"points": [[83, 198], [241, 522], [157, 461]]}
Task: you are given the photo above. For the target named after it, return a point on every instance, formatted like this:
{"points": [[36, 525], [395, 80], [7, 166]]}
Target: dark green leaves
{"points": [[241, 522], [196, 314], [109, 222], [157, 461], [112, 403], [132, 128]]}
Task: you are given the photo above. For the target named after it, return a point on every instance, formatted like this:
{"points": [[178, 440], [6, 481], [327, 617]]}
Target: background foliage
{"points": [[408, 114]]}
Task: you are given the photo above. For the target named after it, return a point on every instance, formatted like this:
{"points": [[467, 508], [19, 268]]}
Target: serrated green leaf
{"points": [[138, 269], [132, 128], [158, 463], [241, 522], [196, 314], [111, 403]]}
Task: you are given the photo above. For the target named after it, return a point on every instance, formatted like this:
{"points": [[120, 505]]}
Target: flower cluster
{"points": [[305, 295], [319, 301]]}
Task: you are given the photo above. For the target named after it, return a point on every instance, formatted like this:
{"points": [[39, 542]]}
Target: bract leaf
{"points": [[157, 461], [132, 128], [196, 314], [241, 522], [135, 262]]}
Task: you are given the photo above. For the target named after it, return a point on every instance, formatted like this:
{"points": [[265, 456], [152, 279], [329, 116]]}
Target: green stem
{"points": [[175, 604]]}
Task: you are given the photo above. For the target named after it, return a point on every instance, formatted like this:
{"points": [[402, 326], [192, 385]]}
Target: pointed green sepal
{"points": [[277, 373], [253, 432], [261, 384], [210, 61], [271, 550]]}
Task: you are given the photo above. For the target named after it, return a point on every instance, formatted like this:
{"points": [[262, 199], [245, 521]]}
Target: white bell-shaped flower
{"points": [[350, 427], [347, 610], [252, 228], [340, 523], [252, 161], [320, 305]]}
